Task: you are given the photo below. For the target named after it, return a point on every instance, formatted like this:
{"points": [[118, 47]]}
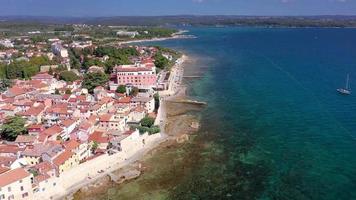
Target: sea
{"points": [[275, 126]]}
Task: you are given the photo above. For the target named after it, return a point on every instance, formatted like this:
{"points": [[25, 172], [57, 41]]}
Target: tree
{"points": [[92, 80], [121, 89], [56, 91], [94, 146], [13, 127], [147, 121], [134, 91], [68, 91], [68, 76], [156, 98], [160, 61], [5, 84]]}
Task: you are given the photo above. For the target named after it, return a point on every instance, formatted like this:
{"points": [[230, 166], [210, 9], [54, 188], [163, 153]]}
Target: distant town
{"points": [[75, 100]]}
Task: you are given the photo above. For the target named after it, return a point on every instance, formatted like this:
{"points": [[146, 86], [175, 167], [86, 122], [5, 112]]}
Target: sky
{"points": [[82, 8]]}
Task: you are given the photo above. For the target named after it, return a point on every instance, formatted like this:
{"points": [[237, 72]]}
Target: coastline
{"points": [[177, 90], [178, 35]]}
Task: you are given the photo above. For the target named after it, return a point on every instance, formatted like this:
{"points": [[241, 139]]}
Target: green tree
{"points": [[68, 91], [5, 84], [147, 121], [94, 146], [56, 91], [121, 89], [13, 127], [92, 80], [68, 76], [156, 97], [160, 61]]}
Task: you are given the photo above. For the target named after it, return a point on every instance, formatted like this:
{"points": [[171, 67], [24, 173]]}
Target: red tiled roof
{"points": [[25, 139], [62, 158], [124, 100], [4, 169], [71, 144], [13, 176], [68, 122], [43, 167], [9, 148], [99, 137], [105, 117], [52, 130]]}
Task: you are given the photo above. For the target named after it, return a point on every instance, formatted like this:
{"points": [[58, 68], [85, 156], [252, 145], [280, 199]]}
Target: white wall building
{"points": [[59, 50], [16, 184]]}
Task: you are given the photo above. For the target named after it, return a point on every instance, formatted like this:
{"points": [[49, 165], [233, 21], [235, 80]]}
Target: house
{"points": [[41, 152], [65, 161], [44, 77], [137, 114], [16, 184], [10, 150], [101, 138], [111, 121], [148, 103], [35, 129], [25, 140], [142, 76], [81, 149], [53, 133], [59, 50]]}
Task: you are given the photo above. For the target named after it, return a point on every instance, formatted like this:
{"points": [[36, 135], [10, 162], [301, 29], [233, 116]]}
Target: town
{"points": [[73, 106]]}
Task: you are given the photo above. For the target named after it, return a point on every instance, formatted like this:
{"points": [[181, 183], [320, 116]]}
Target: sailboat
{"points": [[347, 89]]}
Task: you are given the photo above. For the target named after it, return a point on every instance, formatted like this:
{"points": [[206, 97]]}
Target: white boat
{"points": [[347, 89]]}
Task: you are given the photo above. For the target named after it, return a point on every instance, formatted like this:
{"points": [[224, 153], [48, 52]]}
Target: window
{"points": [[20, 181], [21, 188], [9, 189], [24, 195], [2, 196]]}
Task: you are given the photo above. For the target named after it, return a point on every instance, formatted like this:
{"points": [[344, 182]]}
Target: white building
{"points": [[16, 184], [6, 43], [131, 34], [59, 50]]}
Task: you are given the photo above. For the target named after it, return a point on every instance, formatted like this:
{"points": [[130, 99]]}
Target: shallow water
{"points": [[274, 128]]}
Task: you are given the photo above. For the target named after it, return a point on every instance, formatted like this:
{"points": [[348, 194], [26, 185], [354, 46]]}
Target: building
{"points": [[16, 184], [123, 33], [142, 76], [6, 43], [65, 161], [59, 50]]}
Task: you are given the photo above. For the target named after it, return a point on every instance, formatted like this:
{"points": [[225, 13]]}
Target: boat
{"points": [[347, 89]]}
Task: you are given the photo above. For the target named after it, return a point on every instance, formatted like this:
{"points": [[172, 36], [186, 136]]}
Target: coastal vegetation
{"points": [[23, 69], [147, 125], [68, 76], [92, 80], [13, 127]]}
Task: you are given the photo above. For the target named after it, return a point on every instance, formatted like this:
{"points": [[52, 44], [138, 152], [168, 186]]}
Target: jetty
{"points": [[187, 101]]}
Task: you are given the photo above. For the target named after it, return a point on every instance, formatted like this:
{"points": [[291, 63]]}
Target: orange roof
{"points": [[43, 167], [68, 122], [99, 137], [62, 158], [25, 139], [52, 130], [105, 117], [15, 90], [124, 100], [4, 169], [71, 144], [13, 176]]}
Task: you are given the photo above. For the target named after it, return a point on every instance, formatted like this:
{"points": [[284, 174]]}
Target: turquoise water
{"points": [[278, 127], [275, 128]]}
